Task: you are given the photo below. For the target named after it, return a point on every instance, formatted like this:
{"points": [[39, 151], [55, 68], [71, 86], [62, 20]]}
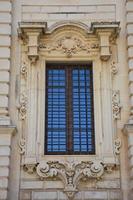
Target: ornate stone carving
{"points": [[106, 31], [24, 70], [114, 68], [29, 168], [22, 145], [23, 106], [30, 32], [71, 172], [69, 45], [117, 146], [116, 104]]}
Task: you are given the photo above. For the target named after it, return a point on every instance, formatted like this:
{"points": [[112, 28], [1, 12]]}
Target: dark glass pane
{"points": [[82, 110], [56, 110], [69, 110]]}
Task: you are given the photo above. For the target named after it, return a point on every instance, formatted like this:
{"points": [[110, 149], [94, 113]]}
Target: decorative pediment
{"points": [[69, 39]]}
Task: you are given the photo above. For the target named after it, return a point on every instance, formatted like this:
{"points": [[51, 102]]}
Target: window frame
{"points": [[72, 65]]}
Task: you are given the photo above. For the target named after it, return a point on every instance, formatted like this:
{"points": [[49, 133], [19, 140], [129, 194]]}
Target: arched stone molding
{"points": [[62, 24]]}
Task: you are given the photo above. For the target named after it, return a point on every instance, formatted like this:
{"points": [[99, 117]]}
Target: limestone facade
{"points": [[34, 33]]}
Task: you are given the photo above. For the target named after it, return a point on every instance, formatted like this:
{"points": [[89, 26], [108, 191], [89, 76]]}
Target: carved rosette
{"points": [[116, 104], [71, 173], [24, 70]]}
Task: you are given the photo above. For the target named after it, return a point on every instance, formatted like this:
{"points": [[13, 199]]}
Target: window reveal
{"points": [[69, 109]]}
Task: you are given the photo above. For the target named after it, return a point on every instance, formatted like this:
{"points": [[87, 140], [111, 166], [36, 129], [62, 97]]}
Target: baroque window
{"points": [[69, 109]]}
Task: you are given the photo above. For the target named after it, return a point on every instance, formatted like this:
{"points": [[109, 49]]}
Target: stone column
{"points": [[128, 128], [6, 129]]}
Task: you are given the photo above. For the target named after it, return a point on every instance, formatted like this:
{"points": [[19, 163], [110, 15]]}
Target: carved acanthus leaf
{"points": [[71, 173], [116, 104], [29, 168], [70, 45]]}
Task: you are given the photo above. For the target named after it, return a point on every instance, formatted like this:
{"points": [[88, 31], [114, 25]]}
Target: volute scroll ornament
{"points": [[22, 146], [23, 106], [71, 173], [116, 104], [114, 68], [117, 146]]}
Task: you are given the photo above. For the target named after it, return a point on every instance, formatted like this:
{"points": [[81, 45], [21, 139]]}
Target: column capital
{"points": [[30, 33], [106, 31]]}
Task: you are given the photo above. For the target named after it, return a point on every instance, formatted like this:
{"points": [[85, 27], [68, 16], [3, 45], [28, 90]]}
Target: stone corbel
{"points": [[105, 32], [30, 34]]}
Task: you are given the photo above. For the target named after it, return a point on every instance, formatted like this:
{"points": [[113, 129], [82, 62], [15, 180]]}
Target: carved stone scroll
{"points": [[114, 68], [22, 145], [23, 106], [117, 146], [116, 104], [71, 173]]}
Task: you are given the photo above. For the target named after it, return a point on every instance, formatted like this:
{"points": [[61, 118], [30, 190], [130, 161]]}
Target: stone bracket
{"points": [[70, 173], [30, 33], [106, 31]]}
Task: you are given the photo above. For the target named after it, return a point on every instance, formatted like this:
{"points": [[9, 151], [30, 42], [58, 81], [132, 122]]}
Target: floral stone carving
{"points": [[117, 146], [23, 106], [116, 104], [69, 45], [114, 68], [22, 143], [71, 173]]}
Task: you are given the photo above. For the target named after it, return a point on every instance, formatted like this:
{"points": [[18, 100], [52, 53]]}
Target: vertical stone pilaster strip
{"points": [[128, 129], [129, 27]]}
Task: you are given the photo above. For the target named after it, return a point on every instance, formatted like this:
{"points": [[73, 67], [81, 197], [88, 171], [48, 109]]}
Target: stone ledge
{"points": [[8, 129]]}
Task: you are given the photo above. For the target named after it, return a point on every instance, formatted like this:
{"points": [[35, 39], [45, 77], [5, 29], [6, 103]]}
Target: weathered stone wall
{"points": [[6, 130]]}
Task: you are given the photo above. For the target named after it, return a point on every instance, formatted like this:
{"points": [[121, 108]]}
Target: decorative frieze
{"points": [[70, 45], [116, 104]]}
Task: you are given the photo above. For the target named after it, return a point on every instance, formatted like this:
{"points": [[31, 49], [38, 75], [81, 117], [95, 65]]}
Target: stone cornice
{"points": [[8, 129], [30, 32]]}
